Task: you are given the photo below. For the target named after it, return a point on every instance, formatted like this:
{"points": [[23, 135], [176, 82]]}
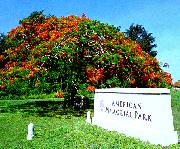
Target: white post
{"points": [[88, 119], [30, 131]]}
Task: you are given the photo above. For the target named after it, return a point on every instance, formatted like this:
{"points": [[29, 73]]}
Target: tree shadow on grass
{"points": [[44, 108]]}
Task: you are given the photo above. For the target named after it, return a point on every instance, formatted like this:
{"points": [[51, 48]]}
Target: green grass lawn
{"points": [[175, 95], [58, 128]]}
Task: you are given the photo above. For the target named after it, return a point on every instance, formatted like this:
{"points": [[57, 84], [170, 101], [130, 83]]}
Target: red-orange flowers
{"points": [[54, 35], [2, 87], [90, 88], [95, 75], [60, 94]]}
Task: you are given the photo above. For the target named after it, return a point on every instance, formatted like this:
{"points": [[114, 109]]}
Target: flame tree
{"points": [[45, 54]]}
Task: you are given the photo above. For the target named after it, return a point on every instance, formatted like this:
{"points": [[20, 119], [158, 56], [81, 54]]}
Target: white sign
{"points": [[144, 113]]}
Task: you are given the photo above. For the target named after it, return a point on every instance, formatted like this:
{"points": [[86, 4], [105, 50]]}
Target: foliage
{"points": [[2, 42], [47, 54], [3, 47], [141, 36]]}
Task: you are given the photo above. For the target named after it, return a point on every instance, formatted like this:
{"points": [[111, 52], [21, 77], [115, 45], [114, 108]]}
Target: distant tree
{"points": [[141, 36], [2, 43], [3, 47], [177, 84]]}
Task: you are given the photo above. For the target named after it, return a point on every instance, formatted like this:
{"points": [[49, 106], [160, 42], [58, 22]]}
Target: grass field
{"points": [[175, 104], [58, 128]]}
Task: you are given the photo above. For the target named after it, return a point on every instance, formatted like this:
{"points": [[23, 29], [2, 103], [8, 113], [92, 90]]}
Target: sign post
{"points": [[144, 113], [30, 131]]}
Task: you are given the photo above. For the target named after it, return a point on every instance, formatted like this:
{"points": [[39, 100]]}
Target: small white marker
{"points": [[88, 119], [30, 131]]}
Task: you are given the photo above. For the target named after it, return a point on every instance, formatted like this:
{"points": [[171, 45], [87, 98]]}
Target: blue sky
{"points": [[160, 17]]}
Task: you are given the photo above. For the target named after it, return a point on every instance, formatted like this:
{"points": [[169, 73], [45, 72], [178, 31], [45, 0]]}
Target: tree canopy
{"points": [[46, 54], [141, 36]]}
